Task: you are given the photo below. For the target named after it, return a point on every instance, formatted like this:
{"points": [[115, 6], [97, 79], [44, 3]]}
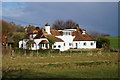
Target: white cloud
{"points": [[13, 12]]}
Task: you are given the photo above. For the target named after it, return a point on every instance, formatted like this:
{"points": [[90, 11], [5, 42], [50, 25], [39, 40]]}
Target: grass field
{"points": [[89, 65], [114, 42]]}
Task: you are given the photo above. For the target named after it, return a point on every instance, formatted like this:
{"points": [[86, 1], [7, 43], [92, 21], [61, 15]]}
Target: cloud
{"points": [[13, 12], [96, 16]]}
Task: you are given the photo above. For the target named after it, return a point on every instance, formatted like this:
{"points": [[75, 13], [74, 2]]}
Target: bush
{"points": [[103, 42]]}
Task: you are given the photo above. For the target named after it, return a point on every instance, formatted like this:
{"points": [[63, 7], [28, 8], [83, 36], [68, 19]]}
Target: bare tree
{"points": [[60, 24], [69, 24], [97, 34]]}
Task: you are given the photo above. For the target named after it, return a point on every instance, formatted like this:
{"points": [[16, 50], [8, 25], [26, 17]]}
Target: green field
{"points": [[114, 42], [89, 65]]}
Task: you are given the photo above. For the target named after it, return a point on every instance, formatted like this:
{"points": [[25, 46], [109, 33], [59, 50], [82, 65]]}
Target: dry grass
{"points": [[64, 65]]}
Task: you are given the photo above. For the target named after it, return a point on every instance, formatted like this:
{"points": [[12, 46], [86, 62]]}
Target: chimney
{"points": [[83, 31], [47, 28]]}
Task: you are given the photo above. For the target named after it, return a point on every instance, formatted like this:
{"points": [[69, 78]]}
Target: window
{"points": [[63, 33], [70, 44], [69, 33], [66, 33], [64, 44], [59, 46], [21, 45], [32, 45], [84, 44], [54, 46], [40, 45], [76, 45], [91, 44], [46, 45]]}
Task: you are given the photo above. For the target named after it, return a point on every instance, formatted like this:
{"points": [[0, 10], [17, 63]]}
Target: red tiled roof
{"points": [[44, 41], [35, 31], [80, 37], [40, 33], [56, 33], [52, 36], [4, 39]]}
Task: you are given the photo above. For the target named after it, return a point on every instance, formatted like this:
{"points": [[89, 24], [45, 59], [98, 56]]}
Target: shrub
{"points": [[103, 42]]}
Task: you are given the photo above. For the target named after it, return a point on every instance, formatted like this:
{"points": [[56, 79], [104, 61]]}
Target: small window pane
{"points": [[66, 33], [54, 46], [21, 45], [32, 45], [85, 44], [69, 33], [70, 44], [91, 44], [59, 46], [64, 44]]}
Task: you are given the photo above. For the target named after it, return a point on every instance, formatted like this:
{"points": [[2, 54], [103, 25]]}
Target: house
{"points": [[4, 39], [63, 40], [7, 41]]}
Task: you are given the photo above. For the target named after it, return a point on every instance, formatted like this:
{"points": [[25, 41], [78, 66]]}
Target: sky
{"points": [[92, 16]]}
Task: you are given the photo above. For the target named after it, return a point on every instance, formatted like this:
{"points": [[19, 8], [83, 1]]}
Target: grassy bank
{"points": [[114, 42], [89, 65]]}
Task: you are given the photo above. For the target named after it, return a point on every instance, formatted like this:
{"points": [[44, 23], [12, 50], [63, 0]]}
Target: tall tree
{"points": [[6, 28]]}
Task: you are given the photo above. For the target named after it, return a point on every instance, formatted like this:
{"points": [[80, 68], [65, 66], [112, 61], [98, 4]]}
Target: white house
{"points": [[75, 38]]}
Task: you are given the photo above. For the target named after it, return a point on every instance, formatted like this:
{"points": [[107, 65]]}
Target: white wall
{"points": [[20, 43], [24, 43], [47, 29], [37, 41], [57, 44], [34, 35], [67, 39], [87, 46], [36, 46]]}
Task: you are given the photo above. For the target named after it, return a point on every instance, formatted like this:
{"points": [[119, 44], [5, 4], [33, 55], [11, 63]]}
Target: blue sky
{"points": [[92, 16]]}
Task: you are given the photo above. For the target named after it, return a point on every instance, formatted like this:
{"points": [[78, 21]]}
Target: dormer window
{"points": [[67, 33]]}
